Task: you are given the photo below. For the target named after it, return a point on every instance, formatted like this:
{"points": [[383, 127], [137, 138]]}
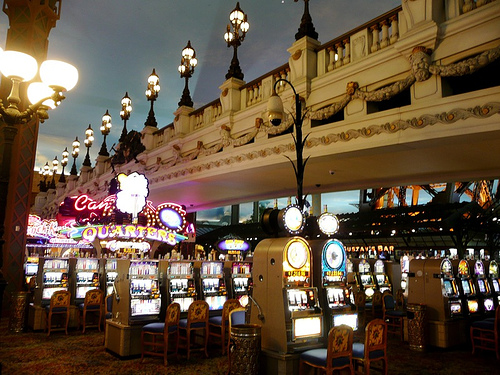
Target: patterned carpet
{"points": [[77, 353]]}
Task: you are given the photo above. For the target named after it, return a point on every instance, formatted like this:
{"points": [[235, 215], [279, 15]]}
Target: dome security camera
{"points": [[332, 172], [275, 109]]}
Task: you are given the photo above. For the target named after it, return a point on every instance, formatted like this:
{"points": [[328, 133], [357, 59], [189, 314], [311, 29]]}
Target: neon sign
{"points": [[133, 192], [233, 246], [103, 232]]}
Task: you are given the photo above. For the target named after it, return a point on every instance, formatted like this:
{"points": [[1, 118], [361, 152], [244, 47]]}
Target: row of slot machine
{"points": [[368, 278], [141, 287], [454, 289]]}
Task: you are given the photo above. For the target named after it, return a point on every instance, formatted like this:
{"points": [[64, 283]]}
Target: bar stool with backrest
{"points": [[374, 348], [376, 305], [195, 325], [218, 325], [59, 305], [92, 304], [161, 333], [484, 334], [337, 356], [236, 317], [360, 303], [394, 318]]}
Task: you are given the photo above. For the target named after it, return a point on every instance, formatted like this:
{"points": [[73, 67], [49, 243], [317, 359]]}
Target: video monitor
{"points": [[455, 308], [348, 319], [496, 286], [466, 286], [380, 279], [473, 306], [482, 287], [448, 287], [31, 268], [489, 305], [307, 327]]}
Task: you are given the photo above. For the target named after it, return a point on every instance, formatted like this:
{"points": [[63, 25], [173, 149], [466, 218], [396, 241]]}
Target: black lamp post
{"points": [[55, 164], [89, 139], [125, 115], [275, 109], [64, 163], [44, 172], [234, 38], [151, 95], [75, 153], [105, 129], [186, 69], [306, 27]]}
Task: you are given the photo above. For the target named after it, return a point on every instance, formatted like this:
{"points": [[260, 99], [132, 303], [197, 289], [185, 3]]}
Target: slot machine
{"points": [[181, 283], [330, 276], [366, 281], [405, 269], [53, 275], [494, 281], [468, 290], [87, 277], [138, 297], [286, 303], [30, 269], [485, 296], [240, 281], [110, 275], [381, 277], [213, 285]]}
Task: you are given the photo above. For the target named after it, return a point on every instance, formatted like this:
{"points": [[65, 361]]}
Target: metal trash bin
{"points": [[18, 311], [416, 326], [245, 349]]}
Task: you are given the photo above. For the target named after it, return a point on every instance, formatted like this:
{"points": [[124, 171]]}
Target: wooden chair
{"points": [[400, 300], [393, 318], [374, 348], [484, 334], [337, 356], [218, 325], [360, 303], [236, 316], [92, 304], [108, 304], [59, 305], [161, 334], [190, 328], [376, 305]]}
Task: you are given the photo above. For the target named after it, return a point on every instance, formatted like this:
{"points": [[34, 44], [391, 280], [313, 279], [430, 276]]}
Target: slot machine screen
{"points": [[455, 308], [496, 286], [348, 319], [473, 306], [448, 288], [307, 327], [482, 288], [366, 279], [380, 279], [489, 305], [31, 269], [466, 286]]}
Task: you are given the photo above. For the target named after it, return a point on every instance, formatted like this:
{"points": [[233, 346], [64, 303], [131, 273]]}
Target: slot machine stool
{"points": [[484, 334]]}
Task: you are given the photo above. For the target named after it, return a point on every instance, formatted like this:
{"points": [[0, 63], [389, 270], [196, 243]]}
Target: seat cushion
{"points": [[395, 313], [93, 307], [484, 324], [183, 323], [317, 357], [217, 320], [358, 351], [56, 309], [154, 327]]}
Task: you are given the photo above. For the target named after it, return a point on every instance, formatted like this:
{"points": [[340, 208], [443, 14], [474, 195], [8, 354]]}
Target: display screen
{"points": [[307, 327], [455, 308], [348, 319], [215, 302], [335, 297], [473, 306], [482, 288], [496, 286], [489, 305], [366, 279], [448, 287], [380, 279], [31, 269], [466, 286]]}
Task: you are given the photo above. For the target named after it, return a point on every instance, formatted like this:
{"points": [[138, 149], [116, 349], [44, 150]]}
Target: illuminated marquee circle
{"points": [[328, 223], [333, 253], [292, 219], [296, 254], [171, 217]]}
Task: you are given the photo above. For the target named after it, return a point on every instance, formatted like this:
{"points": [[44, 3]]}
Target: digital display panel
{"points": [[380, 279], [473, 306], [448, 287], [307, 327], [489, 305], [31, 269], [466, 286], [348, 319], [482, 287], [455, 308], [496, 286]]}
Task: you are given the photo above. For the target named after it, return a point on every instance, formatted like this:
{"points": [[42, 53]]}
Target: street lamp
{"points": [[186, 69], [105, 129], [89, 139], [55, 164], [275, 110], [125, 115], [74, 153], [151, 95], [234, 38], [64, 163]]}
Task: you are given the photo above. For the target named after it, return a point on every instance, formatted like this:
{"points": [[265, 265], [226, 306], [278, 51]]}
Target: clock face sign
{"points": [[334, 254], [293, 219], [328, 223], [296, 254]]}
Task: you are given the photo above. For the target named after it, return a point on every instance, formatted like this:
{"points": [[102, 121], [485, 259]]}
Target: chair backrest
{"points": [[229, 306], [198, 312], [400, 299], [94, 297], [340, 340], [389, 302], [377, 298], [237, 316], [109, 303], [497, 320], [375, 337], [360, 299], [60, 298], [173, 315]]}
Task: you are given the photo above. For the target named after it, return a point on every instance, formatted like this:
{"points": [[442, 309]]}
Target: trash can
{"points": [[245, 349], [18, 311], [416, 326]]}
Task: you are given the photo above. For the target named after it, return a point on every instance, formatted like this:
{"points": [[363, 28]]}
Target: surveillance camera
{"points": [[275, 109], [331, 172], [275, 118]]}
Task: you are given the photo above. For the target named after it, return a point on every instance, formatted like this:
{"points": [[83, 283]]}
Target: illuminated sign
{"points": [[171, 216], [379, 248], [103, 232], [296, 273], [233, 246], [117, 245], [334, 273], [133, 192]]}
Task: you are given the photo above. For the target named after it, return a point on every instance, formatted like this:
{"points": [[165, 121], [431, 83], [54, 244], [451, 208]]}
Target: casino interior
{"points": [[204, 237]]}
